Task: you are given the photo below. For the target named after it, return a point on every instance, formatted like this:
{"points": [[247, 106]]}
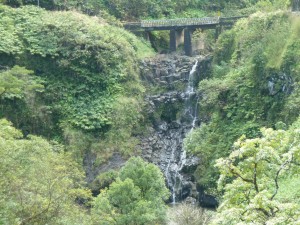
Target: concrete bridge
{"points": [[181, 30]]}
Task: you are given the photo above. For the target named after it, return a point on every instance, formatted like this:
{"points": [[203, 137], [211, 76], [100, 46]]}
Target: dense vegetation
{"points": [[141, 9], [70, 86], [254, 178], [254, 84], [85, 83], [39, 182], [136, 197]]}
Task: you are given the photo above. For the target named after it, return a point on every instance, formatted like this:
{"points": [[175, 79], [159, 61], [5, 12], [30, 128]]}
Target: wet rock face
{"points": [[280, 82], [92, 169], [206, 200], [169, 71], [172, 110]]}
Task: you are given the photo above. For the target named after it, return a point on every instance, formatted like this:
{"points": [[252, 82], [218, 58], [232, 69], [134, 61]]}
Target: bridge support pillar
{"points": [[147, 35], [218, 32], [179, 37], [173, 44], [188, 42], [176, 38]]}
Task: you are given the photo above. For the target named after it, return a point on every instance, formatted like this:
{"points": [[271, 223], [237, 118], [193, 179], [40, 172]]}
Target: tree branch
{"points": [[277, 176], [255, 178], [50, 200], [240, 176], [3, 92], [265, 212]]}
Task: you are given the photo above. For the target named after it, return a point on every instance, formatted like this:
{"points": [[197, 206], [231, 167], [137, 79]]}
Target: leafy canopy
{"points": [[18, 82], [39, 183], [136, 197], [251, 178], [254, 83], [90, 76]]}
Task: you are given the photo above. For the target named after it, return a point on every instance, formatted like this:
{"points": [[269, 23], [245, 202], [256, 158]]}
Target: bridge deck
{"points": [[180, 22], [177, 25], [169, 24]]}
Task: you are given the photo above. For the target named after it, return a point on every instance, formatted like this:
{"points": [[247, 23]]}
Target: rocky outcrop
{"points": [[172, 112], [172, 109], [280, 83], [206, 200], [92, 170]]}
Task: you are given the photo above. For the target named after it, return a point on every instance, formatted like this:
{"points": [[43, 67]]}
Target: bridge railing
{"points": [[180, 22]]}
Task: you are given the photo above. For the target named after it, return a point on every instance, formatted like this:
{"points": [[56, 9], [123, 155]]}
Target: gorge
{"points": [[173, 114], [99, 126]]}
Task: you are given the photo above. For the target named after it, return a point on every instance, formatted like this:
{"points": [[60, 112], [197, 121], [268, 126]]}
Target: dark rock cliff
{"points": [[172, 111]]}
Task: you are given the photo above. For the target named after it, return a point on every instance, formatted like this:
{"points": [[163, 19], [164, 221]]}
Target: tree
{"points": [[39, 183], [18, 82], [251, 178], [189, 214], [136, 197]]}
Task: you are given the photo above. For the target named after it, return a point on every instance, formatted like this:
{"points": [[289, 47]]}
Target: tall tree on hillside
{"points": [[136, 197], [252, 175], [39, 183]]}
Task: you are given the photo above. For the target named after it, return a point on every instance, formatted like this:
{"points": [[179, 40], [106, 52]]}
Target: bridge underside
{"points": [[191, 27], [181, 30], [184, 35]]}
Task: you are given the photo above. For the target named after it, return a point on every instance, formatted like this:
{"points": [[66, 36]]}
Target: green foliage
{"points": [[291, 189], [9, 42], [90, 74], [210, 147], [77, 142], [19, 99], [253, 84], [224, 48], [136, 197], [39, 183], [251, 177], [147, 177], [132, 10], [248, 7], [18, 83], [126, 116], [189, 214], [103, 180], [85, 67]]}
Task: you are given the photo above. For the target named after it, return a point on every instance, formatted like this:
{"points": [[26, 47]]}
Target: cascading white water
{"points": [[173, 169], [173, 113], [191, 108]]}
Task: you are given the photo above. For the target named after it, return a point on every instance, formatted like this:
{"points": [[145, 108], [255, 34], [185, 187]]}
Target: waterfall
{"points": [[190, 105], [175, 178], [173, 113]]}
